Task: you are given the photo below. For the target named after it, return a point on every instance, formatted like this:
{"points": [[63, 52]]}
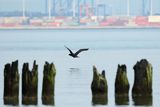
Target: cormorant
{"points": [[75, 55]]}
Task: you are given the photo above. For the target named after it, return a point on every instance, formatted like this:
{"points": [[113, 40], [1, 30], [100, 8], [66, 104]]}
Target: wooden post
{"points": [[29, 84], [99, 88], [49, 74], [11, 84], [142, 87], [121, 86]]}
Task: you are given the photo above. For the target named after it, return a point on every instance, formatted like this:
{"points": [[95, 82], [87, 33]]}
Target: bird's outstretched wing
{"points": [[80, 50], [69, 50]]}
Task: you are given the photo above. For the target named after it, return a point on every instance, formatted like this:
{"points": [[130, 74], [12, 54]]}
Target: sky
{"points": [[117, 6]]}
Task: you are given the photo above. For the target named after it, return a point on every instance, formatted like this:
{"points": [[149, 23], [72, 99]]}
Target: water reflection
{"points": [[100, 100], [121, 100], [48, 101], [74, 70], [29, 100], [142, 100], [11, 101]]}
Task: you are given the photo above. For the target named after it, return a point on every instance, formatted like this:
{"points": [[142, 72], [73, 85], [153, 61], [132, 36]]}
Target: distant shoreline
{"points": [[78, 28]]}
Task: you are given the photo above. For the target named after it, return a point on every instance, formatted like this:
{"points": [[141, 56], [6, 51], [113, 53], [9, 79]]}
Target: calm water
{"points": [[107, 49]]}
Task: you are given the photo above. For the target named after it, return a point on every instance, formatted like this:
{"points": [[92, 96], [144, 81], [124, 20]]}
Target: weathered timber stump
{"points": [[142, 88], [142, 79], [49, 74], [11, 84], [122, 86], [29, 84], [99, 88], [121, 83]]}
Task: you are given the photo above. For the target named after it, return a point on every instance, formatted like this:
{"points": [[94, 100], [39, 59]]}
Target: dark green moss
{"points": [[49, 74], [48, 101], [99, 86], [11, 100], [121, 99], [121, 82], [100, 99], [29, 100], [142, 100]]}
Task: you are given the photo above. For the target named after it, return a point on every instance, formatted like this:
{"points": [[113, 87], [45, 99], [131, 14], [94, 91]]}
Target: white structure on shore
{"points": [[24, 8], [74, 8], [151, 8], [49, 9], [128, 7]]}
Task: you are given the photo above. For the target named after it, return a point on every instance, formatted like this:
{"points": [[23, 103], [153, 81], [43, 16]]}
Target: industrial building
{"points": [[75, 8], [84, 13], [80, 8]]}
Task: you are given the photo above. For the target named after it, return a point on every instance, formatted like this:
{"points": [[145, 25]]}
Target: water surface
{"points": [[107, 49]]}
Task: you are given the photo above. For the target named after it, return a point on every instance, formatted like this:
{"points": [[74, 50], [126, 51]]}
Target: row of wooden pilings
{"points": [[29, 84], [142, 88], [141, 91]]}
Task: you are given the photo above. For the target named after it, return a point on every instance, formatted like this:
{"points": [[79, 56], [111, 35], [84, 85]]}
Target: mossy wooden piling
{"points": [[99, 87], [49, 74], [142, 88], [121, 82], [142, 79], [141, 91], [11, 84], [29, 84], [122, 86]]}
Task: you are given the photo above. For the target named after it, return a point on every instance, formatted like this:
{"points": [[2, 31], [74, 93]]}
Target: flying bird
{"points": [[75, 55]]}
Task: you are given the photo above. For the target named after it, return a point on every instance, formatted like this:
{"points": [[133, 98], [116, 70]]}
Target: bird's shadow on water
{"points": [[74, 70]]}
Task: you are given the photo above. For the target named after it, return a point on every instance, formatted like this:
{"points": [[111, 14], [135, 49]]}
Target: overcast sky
{"points": [[118, 6]]}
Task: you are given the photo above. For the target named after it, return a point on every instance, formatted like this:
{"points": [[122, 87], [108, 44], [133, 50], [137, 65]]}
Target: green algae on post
{"points": [[121, 86], [121, 82], [49, 74], [99, 88]]}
